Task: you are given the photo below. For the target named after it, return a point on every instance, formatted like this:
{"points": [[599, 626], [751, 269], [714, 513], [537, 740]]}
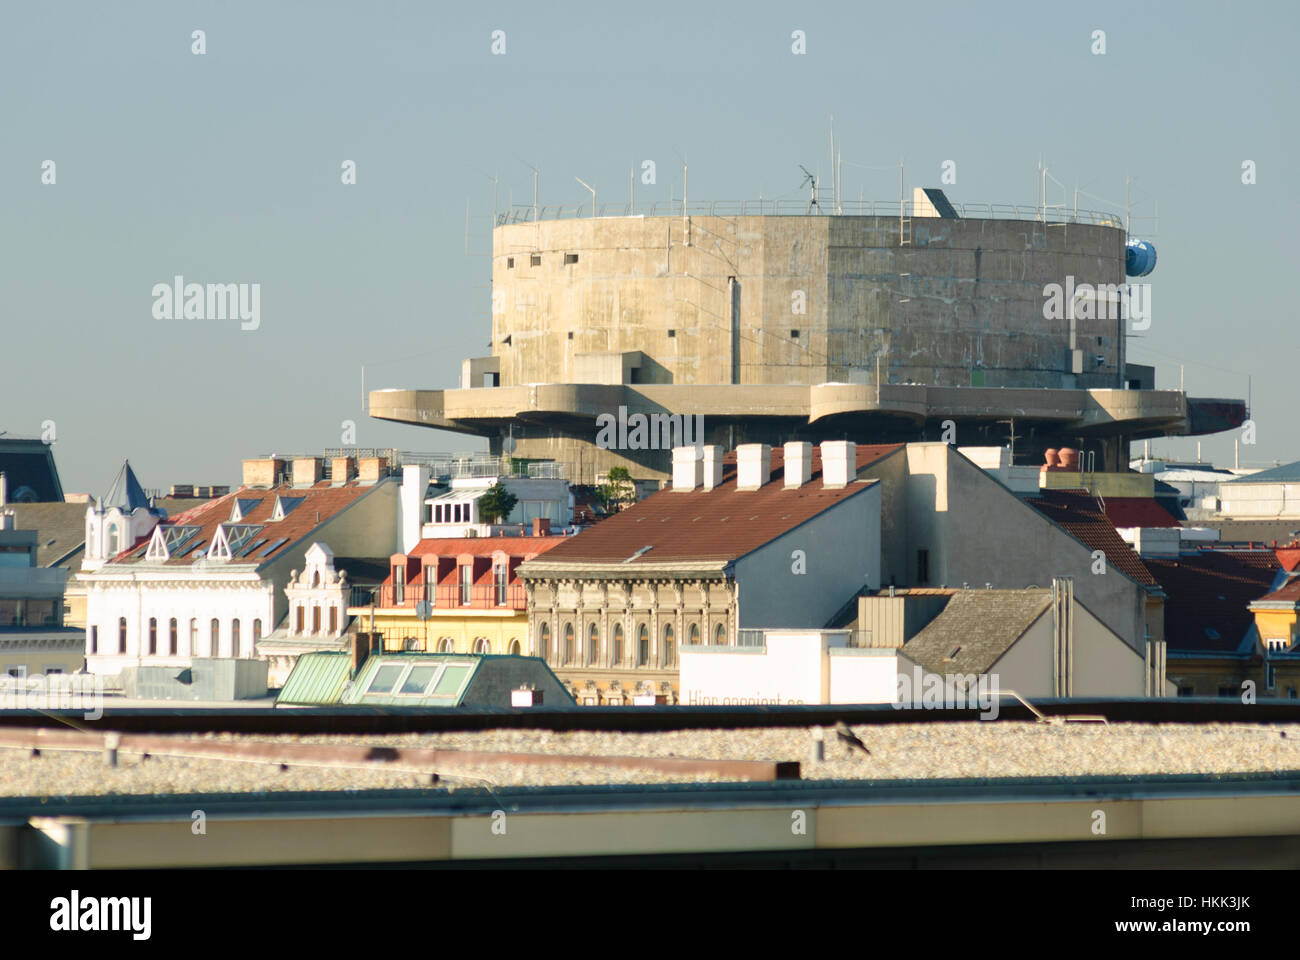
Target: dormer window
{"points": [[285, 506]]}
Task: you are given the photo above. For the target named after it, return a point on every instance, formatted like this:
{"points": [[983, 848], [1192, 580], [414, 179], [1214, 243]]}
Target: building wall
{"points": [[963, 296], [462, 628], [1259, 499], [976, 531], [34, 661], [655, 602], [841, 551], [246, 600], [366, 528]]}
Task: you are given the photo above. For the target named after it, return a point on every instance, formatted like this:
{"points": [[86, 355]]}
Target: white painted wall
{"points": [[841, 554], [183, 595], [864, 675]]}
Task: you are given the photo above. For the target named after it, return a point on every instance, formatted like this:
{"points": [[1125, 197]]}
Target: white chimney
{"points": [[688, 468], [712, 466], [4, 489], [753, 465], [839, 462], [798, 463]]}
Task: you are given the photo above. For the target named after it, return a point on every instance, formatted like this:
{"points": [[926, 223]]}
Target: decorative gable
{"points": [[157, 546]]}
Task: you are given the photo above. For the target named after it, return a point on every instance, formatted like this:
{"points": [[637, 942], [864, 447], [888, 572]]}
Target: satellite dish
{"points": [[508, 442]]}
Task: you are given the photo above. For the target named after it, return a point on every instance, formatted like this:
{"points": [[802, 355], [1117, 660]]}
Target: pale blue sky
{"points": [[225, 168]]}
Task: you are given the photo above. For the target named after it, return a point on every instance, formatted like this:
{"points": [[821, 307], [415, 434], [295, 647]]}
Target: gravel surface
{"points": [[898, 751]]}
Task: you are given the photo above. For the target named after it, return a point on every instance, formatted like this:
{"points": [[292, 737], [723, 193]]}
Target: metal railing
{"points": [[524, 213], [758, 638], [453, 466], [447, 596]]}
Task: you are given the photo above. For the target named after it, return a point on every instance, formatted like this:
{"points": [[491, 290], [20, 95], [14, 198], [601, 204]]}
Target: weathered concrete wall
{"points": [[963, 301]]}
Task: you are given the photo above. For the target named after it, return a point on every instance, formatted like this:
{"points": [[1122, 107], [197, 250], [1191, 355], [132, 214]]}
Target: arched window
{"points": [[214, 638], [121, 634], [234, 638], [257, 630], [481, 645], [315, 578], [669, 653], [112, 540], [153, 635], [694, 635], [643, 646], [315, 619], [194, 636], [568, 644], [593, 644], [514, 648], [172, 639], [616, 655], [445, 645], [334, 620], [720, 635], [298, 630], [544, 641]]}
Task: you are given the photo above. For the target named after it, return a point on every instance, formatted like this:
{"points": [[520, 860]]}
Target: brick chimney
{"points": [[370, 470], [753, 465], [342, 469], [839, 462], [308, 471], [688, 468], [262, 472], [541, 526], [798, 464]]}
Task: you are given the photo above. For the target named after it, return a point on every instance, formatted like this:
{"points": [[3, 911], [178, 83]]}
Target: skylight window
{"points": [[285, 506], [272, 547], [175, 537], [243, 507]]}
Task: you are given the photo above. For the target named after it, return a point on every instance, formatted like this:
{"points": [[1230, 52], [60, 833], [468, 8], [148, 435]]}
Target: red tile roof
{"points": [[1288, 593], [1208, 595], [526, 547], [319, 504], [1137, 512], [719, 524], [1080, 515]]}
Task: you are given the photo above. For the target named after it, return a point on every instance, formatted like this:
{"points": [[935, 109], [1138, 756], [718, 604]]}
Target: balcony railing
{"points": [[447, 596]]}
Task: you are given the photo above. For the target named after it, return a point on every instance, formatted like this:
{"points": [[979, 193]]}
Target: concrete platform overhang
{"points": [[1135, 414]]}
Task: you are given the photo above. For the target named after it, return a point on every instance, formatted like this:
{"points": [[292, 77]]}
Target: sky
{"points": [[225, 167]]}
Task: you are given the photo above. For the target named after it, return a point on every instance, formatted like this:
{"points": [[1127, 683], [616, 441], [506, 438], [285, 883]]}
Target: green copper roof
{"points": [[317, 678]]}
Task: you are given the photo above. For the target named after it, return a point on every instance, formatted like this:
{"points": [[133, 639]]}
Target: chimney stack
{"points": [[688, 469], [753, 465], [798, 464], [4, 489], [541, 526], [839, 462], [712, 466], [308, 471]]}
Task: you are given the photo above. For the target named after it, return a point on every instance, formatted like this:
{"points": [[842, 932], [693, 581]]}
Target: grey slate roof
{"points": [[62, 523], [980, 625], [126, 493], [1287, 472]]}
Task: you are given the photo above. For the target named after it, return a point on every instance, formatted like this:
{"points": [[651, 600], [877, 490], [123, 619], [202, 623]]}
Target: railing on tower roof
{"points": [[524, 213]]}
